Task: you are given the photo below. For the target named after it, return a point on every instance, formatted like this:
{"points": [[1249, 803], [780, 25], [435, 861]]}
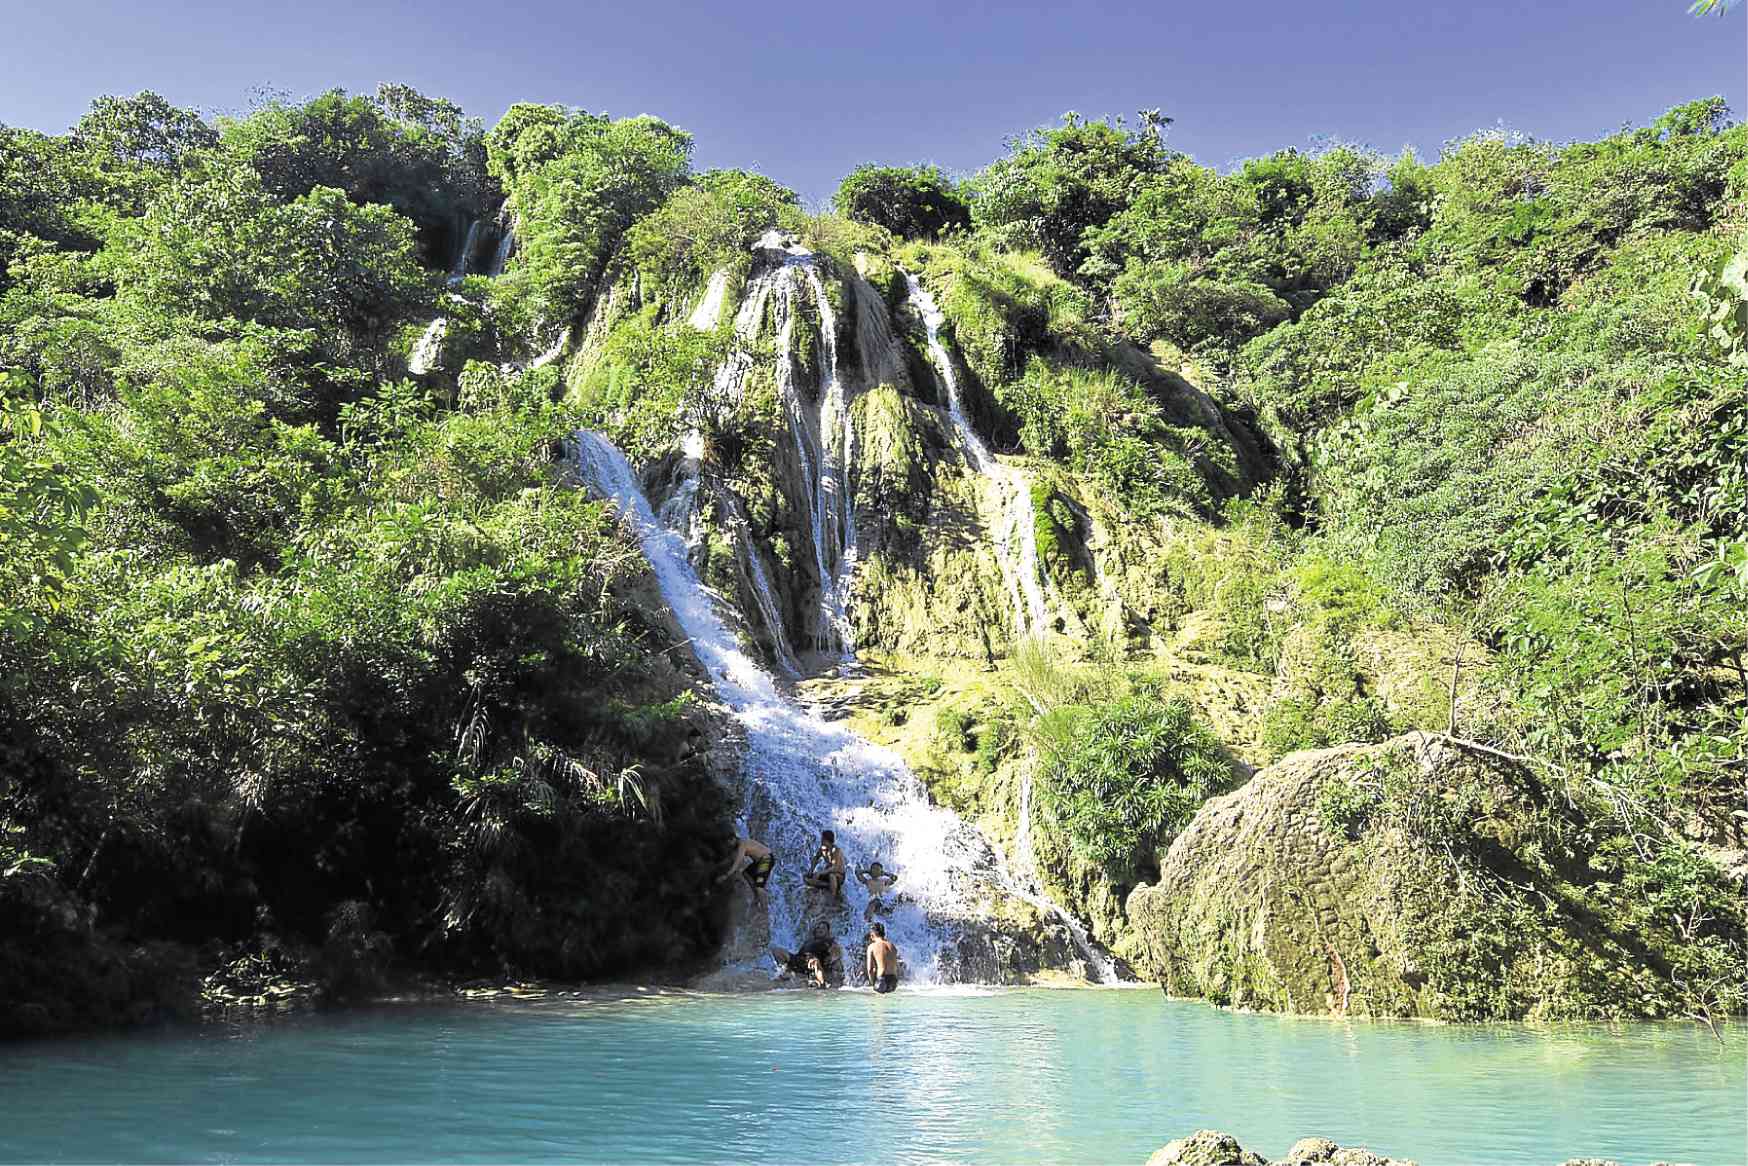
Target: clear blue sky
{"points": [[804, 92]]}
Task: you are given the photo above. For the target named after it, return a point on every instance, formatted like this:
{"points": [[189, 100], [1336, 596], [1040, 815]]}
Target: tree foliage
{"points": [[576, 182], [913, 202]]}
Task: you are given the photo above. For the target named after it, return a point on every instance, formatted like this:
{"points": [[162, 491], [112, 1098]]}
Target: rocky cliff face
{"points": [[834, 492], [1419, 877], [887, 456]]}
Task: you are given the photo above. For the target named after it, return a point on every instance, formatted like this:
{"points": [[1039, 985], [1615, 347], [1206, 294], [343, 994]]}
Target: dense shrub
{"points": [[913, 202], [1124, 775]]}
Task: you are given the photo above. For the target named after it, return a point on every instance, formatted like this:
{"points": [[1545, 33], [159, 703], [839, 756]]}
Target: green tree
{"points": [[577, 182], [913, 202], [420, 155], [218, 247], [1057, 184]]}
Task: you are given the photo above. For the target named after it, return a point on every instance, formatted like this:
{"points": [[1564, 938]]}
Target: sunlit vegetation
{"points": [[310, 659]]}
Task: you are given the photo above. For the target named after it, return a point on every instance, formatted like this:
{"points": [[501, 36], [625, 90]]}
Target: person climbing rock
{"points": [[877, 881], [882, 959], [831, 878], [753, 859], [820, 959]]}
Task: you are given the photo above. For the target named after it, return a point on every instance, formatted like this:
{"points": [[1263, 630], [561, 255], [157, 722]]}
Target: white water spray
{"points": [[501, 256], [803, 774]]}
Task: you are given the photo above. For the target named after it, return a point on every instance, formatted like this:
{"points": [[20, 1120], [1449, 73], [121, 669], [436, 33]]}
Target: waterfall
{"points": [[458, 269], [501, 256], [430, 346], [834, 511], [764, 596], [553, 353], [730, 381], [709, 309], [424, 356], [801, 773], [1014, 531], [804, 774], [725, 394]]}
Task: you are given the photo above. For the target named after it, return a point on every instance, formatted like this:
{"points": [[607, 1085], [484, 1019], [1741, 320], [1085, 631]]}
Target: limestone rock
{"points": [[1311, 1150], [1418, 877], [1213, 1148], [1205, 1148]]}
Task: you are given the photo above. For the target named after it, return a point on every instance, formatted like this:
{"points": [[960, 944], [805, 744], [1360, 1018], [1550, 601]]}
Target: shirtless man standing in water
{"points": [[882, 959]]}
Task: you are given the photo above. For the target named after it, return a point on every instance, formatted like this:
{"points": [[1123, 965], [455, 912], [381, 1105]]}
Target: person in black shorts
{"points": [[752, 859], [882, 959], [826, 871], [820, 959]]}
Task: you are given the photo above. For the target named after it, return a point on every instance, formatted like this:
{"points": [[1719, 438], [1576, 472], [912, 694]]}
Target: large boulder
{"points": [[1205, 1148], [1420, 877]]}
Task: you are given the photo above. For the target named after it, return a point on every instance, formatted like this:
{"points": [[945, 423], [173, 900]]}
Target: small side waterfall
{"points": [[730, 381], [804, 774], [725, 393], [834, 523], [429, 347], [819, 424], [501, 255], [821, 434], [759, 582], [709, 308], [458, 269], [553, 353], [1014, 530]]}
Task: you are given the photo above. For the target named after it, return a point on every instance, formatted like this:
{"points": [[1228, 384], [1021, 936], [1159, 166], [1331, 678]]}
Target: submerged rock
{"points": [[1420, 877], [1213, 1148]]}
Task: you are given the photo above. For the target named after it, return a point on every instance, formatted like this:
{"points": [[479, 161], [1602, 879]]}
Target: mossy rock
{"points": [[1418, 877]]}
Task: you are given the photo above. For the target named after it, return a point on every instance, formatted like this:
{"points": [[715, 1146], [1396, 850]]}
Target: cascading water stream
{"points": [[726, 389], [822, 435], [430, 345], [458, 269], [764, 596], [804, 774], [1014, 531], [501, 256], [709, 308], [1022, 578], [834, 508]]}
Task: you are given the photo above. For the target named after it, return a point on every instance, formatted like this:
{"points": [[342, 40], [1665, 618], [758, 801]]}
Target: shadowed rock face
{"points": [[1419, 877]]}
